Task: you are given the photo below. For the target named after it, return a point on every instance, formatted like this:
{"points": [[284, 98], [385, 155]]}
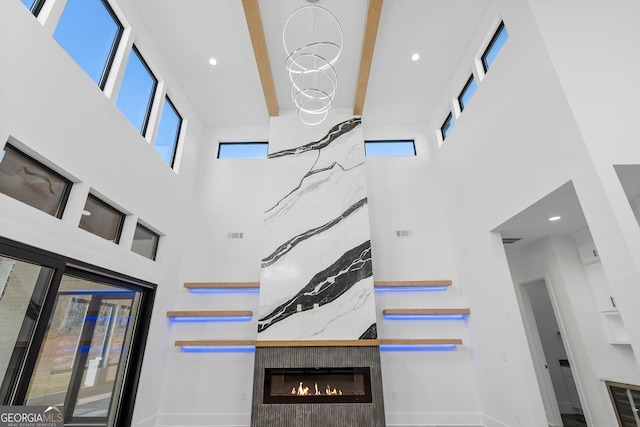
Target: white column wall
{"points": [[215, 388], [420, 388]]}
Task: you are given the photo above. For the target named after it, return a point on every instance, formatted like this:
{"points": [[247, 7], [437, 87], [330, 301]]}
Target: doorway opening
{"points": [[551, 361], [556, 270]]}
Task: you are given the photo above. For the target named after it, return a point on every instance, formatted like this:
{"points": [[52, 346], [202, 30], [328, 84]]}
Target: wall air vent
{"points": [[510, 240], [403, 233], [235, 235]]}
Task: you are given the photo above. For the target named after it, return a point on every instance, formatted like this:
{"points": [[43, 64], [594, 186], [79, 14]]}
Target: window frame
{"points": [[114, 47], [391, 141], [449, 120], [177, 139], [466, 86], [489, 47], [624, 386], [123, 216], [36, 7], [221, 143], [64, 197], [106, 70], [155, 247], [152, 95]]}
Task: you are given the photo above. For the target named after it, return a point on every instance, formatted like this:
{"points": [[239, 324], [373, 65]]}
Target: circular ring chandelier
{"points": [[313, 39]]}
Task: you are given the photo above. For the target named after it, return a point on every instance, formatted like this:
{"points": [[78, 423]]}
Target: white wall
{"points": [[546, 113], [52, 109], [516, 141], [602, 94], [431, 387], [215, 388], [551, 340], [228, 198], [591, 355], [421, 388]]}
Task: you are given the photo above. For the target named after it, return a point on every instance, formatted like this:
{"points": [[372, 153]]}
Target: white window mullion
{"points": [[156, 111], [50, 14], [114, 81]]}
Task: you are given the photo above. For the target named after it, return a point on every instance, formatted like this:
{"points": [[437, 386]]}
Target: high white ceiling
{"points": [[230, 94]]}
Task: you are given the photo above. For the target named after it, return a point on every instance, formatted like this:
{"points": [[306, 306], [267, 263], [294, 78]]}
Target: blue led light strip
{"points": [[417, 347], [425, 316], [404, 289], [218, 349], [224, 290]]}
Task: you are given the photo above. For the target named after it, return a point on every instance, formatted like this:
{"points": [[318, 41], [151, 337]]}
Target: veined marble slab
{"points": [[292, 272], [316, 280]]}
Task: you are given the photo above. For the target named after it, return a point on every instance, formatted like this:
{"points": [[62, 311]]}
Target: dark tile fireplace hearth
{"points": [[317, 386]]}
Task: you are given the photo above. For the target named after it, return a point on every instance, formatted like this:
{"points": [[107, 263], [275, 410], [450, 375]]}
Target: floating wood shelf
{"points": [[420, 342], [412, 284], [318, 343], [215, 343], [214, 313], [221, 285], [425, 311]]}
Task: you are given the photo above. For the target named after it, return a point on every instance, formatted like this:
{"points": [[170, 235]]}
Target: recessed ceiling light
{"points": [[554, 218], [213, 61], [415, 57], [86, 213]]}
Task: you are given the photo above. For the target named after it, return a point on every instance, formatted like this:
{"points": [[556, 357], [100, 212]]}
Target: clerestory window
{"points": [[90, 32], [145, 242], [467, 92], [137, 91], [243, 150], [102, 219], [166, 143], [446, 127], [495, 45], [29, 181], [389, 148]]}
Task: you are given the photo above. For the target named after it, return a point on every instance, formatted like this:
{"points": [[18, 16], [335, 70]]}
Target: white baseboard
{"points": [[394, 419], [433, 419], [204, 420], [148, 422], [492, 422]]}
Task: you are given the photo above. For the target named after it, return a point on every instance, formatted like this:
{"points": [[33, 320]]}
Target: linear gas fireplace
{"points": [[317, 385]]}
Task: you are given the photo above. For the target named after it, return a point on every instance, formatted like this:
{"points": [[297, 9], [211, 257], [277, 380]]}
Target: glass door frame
{"points": [[15, 387], [83, 348]]}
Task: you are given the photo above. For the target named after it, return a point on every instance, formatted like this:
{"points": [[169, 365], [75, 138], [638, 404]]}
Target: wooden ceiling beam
{"points": [[368, 45], [256, 31]]}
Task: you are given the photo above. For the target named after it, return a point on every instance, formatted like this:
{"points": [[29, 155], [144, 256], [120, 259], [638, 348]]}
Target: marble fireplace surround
{"points": [[317, 414]]}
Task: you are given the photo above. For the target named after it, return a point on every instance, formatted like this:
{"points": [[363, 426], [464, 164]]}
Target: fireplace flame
{"points": [[303, 390]]}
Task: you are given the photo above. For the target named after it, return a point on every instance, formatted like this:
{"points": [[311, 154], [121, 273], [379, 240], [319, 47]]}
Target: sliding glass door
{"points": [[84, 350], [78, 343], [23, 287]]}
